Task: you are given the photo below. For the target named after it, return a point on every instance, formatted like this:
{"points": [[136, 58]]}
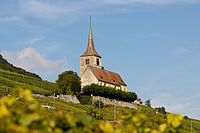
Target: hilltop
{"points": [[5, 65]]}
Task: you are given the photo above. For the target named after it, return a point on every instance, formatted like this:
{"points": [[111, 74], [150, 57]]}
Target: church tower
{"points": [[90, 56]]}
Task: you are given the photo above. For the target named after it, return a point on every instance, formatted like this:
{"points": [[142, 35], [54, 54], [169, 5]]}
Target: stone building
{"points": [[92, 71]]}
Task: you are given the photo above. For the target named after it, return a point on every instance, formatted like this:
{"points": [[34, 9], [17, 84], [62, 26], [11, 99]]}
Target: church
{"points": [[92, 71]]}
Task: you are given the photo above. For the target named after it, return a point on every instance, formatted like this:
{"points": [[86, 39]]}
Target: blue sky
{"points": [[153, 44]]}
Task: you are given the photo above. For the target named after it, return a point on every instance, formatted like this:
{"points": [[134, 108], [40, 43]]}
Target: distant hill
{"points": [[5, 65]]}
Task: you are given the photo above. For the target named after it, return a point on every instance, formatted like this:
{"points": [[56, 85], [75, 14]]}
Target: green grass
{"points": [[186, 122], [10, 80], [107, 113]]}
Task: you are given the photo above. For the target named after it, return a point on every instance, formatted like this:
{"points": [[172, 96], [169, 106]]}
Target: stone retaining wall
{"points": [[69, 98], [74, 99], [114, 102], [66, 98]]}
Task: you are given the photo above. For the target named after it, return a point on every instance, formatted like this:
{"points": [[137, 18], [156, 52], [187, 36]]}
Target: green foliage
{"points": [[109, 92], [86, 100], [4, 64], [148, 103], [186, 117], [20, 113], [68, 83], [162, 110], [10, 80], [98, 104]]}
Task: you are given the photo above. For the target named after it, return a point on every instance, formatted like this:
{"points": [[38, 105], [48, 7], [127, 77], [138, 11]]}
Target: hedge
{"points": [[109, 92]]}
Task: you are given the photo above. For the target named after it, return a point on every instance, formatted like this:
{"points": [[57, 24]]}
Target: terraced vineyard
{"points": [[10, 80]]}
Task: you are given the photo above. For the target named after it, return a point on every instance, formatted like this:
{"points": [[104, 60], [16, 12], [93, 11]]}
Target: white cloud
{"points": [[180, 51], [34, 40], [10, 19], [126, 2], [47, 10], [71, 9], [177, 108], [31, 60], [184, 104]]}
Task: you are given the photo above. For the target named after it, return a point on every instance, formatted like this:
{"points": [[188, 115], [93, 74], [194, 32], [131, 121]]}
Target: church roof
{"points": [[107, 76], [90, 51]]}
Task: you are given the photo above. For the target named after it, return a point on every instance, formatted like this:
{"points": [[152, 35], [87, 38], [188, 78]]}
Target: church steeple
{"points": [[90, 51]]}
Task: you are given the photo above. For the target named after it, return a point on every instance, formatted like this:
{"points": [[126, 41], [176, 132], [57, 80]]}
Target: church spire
{"points": [[90, 51], [90, 32]]}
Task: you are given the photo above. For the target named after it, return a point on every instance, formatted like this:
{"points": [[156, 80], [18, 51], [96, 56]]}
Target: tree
{"points": [[148, 103], [68, 83], [162, 110]]}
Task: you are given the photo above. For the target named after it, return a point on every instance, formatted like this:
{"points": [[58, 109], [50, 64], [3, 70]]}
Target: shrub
{"points": [[109, 92], [162, 110], [85, 99], [99, 103], [186, 117]]}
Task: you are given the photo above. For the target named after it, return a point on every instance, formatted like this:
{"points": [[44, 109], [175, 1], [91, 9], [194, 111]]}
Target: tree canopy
{"points": [[68, 83]]}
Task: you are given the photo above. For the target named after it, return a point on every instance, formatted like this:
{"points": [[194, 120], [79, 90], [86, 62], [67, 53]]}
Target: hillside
{"points": [[10, 80], [107, 113], [5, 65]]}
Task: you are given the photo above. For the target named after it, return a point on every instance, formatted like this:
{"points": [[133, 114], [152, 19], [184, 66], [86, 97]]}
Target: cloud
{"points": [[71, 9], [48, 10], [177, 108], [180, 51], [34, 40], [33, 61], [10, 19], [176, 103], [127, 2]]}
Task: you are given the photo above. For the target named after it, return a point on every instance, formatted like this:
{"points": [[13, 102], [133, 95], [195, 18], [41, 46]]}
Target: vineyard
{"points": [[10, 80], [107, 113], [105, 118]]}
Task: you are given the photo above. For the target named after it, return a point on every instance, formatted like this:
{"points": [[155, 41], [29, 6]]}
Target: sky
{"points": [[153, 44]]}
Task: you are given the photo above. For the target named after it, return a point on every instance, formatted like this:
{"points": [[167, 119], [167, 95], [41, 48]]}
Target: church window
{"points": [[97, 62], [87, 61]]}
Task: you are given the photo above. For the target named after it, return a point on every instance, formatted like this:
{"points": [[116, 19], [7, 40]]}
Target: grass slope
{"points": [[5, 65], [10, 80], [107, 113]]}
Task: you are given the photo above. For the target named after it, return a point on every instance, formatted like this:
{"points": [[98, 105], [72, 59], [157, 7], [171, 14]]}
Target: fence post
{"points": [[114, 110], [54, 101], [99, 107]]}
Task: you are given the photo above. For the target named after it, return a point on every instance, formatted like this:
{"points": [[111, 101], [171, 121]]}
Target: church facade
{"points": [[92, 71]]}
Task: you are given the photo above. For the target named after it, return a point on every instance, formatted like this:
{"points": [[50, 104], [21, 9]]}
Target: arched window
{"points": [[87, 61], [97, 62]]}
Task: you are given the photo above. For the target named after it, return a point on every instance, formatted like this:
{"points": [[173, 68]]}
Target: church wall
{"points": [[111, 85], [88, 78], [92, 61], [124, 88]]}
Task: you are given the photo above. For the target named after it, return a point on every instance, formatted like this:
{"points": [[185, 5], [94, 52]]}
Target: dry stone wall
{"points": [[114, 102], [69, 98], [74, 99]]}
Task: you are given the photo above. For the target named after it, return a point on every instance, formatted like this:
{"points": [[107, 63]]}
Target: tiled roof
{"points": [[107, 76], [91, 52]]}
